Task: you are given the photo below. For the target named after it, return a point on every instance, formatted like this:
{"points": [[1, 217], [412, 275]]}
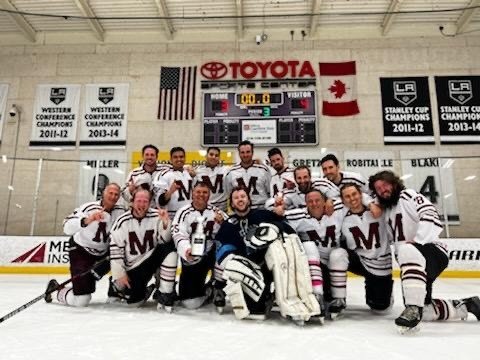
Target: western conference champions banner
{"points": [[3, 103], [104, 122], [458, 102], [424, 172], [111, 168], [55, 115], [406, 111]]}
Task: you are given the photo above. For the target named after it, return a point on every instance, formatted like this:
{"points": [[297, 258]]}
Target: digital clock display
{"points": [[258, 99]]}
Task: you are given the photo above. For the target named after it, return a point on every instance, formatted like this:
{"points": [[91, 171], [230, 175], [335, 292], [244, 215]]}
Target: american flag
{"points": [[177, 93]]}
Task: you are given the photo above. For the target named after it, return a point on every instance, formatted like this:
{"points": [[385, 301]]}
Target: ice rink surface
{"points": [[104, 331]]}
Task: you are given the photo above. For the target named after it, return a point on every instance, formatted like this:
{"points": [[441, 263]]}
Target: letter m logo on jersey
{"points": [[373, 236], [138, 246], [252, 185]]}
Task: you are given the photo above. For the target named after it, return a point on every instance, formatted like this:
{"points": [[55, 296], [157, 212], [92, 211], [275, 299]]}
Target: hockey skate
{"points": [[472, 304], [52, 286], [115, 295], [336, 308], [409, 319], [219, 300], [321, 302], [165, 301]]}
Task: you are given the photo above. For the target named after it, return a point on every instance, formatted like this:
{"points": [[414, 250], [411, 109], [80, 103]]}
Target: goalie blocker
{"points": [[248, 283]]}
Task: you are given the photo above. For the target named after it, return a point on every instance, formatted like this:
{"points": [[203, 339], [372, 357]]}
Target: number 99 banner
{"points": [[433, 177]]}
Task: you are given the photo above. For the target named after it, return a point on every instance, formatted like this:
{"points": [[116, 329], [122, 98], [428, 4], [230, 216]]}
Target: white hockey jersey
{"points": [[353, 177], [185, 223], [133, 240], [215, 179], [325, 232], [414, 218], [279, 180], [137, 174], [181, 196], [93, 237], [255, 178], [369, 238]]}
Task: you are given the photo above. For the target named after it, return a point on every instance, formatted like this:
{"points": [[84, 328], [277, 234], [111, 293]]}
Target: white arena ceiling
{"points": [[73, 21]]}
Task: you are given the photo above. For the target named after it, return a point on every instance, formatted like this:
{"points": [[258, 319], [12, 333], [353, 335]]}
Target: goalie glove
{"points": [[242, 270], [260, 236]]}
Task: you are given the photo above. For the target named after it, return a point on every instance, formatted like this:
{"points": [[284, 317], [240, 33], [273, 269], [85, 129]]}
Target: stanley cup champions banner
{"points": [[55, 115], [407, 115], [458, 101], [3, 102], [104, 122]]}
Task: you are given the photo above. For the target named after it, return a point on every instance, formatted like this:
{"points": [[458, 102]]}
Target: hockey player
{"points": [[295, 198], [320, 234], [140, 245], [283, 178], [331, 171], [367, 253], [88, 227], [213, 175], [415, 226], [193, 230], [250, 175], [256, 246], [143, 176], [173, 187]]}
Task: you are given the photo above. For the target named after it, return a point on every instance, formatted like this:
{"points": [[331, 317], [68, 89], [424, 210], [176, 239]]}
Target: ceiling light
{"points": [[448, 163], [406, 176], [469, 178]]}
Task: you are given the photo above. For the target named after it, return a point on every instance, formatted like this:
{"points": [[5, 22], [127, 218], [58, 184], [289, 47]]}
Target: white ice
{"points": [[102, 331]]}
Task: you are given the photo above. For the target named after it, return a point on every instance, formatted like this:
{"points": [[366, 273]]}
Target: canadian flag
{"points": [[339, 90]]}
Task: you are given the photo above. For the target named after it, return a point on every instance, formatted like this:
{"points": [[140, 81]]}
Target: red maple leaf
{"points": [[338, 88]]}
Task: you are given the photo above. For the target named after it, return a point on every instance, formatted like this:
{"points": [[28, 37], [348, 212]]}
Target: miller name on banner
{"points": [[406, 111], [104, 122], [55, 115], [458, 101]]}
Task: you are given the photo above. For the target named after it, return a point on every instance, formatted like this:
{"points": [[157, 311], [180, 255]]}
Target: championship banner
{"points": [[111, 168], [368, 163], [104, 122], [406, 111], [458, 102], [3, 103], [432, 176], [55, 115]]}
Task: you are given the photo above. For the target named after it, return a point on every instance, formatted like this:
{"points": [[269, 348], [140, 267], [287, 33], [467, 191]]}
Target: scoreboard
{"points": [[265, 117]]}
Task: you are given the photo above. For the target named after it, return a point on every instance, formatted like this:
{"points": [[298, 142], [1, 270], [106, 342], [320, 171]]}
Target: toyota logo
{"points": [[214, 70]]}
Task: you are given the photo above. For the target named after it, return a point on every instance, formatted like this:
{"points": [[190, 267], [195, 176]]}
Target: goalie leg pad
{"points": [[295, 251], [244, 271], [235, 293], [286, 294]]}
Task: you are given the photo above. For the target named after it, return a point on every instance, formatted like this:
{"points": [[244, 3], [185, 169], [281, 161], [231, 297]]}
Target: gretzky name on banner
{"points": [[55, 115], [105, 119], [407, 115], [458, 99]]}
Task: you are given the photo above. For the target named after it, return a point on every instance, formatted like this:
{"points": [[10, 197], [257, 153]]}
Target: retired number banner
{"points": [[458, 101], [104, 122], [407, 114], [3, 102], [55, 115]]}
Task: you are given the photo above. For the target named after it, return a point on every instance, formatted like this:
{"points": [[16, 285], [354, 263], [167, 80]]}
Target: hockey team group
{"points": [[288, 243]]}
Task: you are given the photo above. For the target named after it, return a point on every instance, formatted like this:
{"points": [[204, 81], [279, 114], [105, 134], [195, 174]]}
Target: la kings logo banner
{"points": [[407, 115], [55, 115], [458, 101], [104, 122], [3, 103]]}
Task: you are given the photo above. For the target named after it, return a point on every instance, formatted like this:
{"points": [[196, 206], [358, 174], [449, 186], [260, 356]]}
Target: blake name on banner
{"points": [[458, 99], [406, 111]]}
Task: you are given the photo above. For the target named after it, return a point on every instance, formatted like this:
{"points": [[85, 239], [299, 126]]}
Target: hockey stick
{"points": [[58, 287]]}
